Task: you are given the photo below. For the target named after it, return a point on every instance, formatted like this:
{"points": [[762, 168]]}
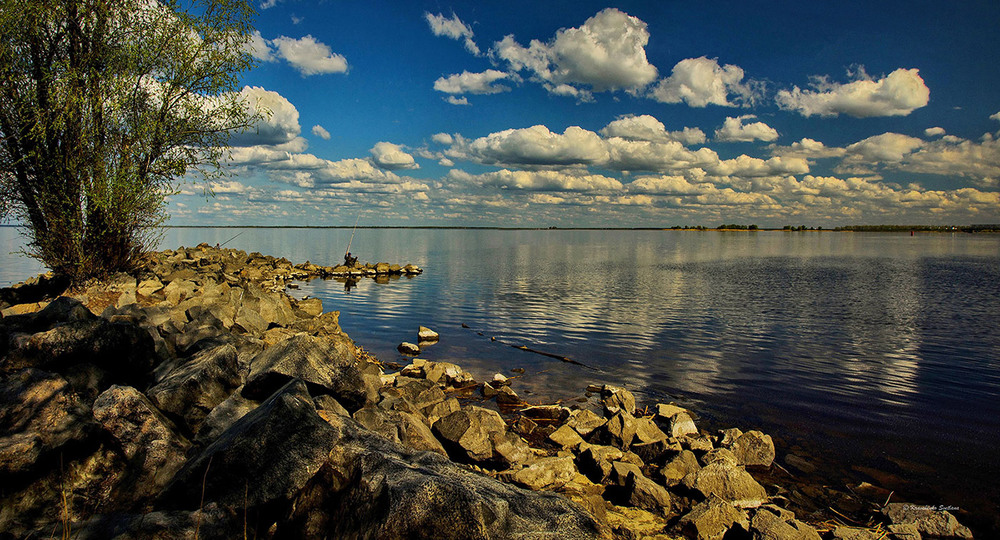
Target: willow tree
{"points": [[105, 106]]}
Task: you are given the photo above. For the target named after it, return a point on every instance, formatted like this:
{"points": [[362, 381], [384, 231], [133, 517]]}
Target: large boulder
{"points": [[712, 519], [118, 352], [675, 421], [153, 449], [373, 488], [773, 522], [584, 421], [678, 468], [547, 473], [754, 448], [597, 461], [402, 427], [617, 400], [192, 390], [728, 482], [618, 431], [224, 415], [326, 364], [39, 414], [478, 435], [261, 461], [212, 521]]}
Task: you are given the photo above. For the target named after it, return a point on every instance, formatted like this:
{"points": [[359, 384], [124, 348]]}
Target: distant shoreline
{"points": [[848, 228]]}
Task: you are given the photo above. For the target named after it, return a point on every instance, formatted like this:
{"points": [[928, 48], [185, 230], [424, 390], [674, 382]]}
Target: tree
{"points": [[105, 106]]}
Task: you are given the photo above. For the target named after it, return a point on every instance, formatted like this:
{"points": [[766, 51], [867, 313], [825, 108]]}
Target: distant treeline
{"points": [[922, 228]]}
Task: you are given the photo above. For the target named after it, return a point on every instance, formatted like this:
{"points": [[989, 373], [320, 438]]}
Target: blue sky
{"points": [[616, 114]]}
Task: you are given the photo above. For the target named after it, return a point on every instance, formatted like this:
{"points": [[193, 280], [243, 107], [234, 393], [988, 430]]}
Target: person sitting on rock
{"points": [[350, 261]]}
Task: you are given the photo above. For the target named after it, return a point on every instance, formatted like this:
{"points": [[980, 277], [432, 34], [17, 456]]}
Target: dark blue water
{"points": [[857, 350]]}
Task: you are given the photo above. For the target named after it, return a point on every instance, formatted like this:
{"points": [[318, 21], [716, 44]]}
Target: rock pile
{"points": [[194, 401]]}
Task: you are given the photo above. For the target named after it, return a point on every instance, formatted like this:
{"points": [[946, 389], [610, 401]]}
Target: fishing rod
{"points": [[231, 239], [348, 252]]}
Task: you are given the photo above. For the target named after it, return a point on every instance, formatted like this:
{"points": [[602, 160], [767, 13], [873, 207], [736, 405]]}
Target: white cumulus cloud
{"points": [[702, 81], [934, 131], [457, 100], [392, 157], [898, 94], [472, 83], [321, 132], [309, 56], [733, 129], [887, 147], [546, 181], [539, 146], [647, 128], [607, 52], [278, 124]]}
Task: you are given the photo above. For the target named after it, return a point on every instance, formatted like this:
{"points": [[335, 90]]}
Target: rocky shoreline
{"points": [[198, 400]]}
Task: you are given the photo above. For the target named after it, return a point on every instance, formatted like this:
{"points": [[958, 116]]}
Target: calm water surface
{"points": [[863, 351]]}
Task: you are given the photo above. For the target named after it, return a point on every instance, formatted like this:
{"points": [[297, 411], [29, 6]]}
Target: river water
{"points": [[875, 354]]}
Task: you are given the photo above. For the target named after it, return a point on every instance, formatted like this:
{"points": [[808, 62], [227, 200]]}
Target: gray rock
{"points": [[327, 324], [426, 334], [617, 400], [439, 410], [507, 396], [727, 437], [566, 437], [646, 494], [618, 431], [421, 394], [224, 415], [684, 464], [209, 522], [712, 519], [478, 435], [42, 408], [272, 307], [596, 461], [192, 390], [372, 488], [547, 473], [407, 348], [447, 374], [584, 421], [730, 483], [646, 431], [700, 444], [154, 450], [310, 307], [400, 427], [930, 521], [658, 451], [264, 459], [249, 321], [675, 421], [770, 523], [19, 452], [327, 364], [754, 448], [720, 454], [122, 351], [330, 404]]}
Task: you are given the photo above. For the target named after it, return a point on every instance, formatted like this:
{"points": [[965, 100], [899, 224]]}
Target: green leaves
{"points": [[105, 105]]}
